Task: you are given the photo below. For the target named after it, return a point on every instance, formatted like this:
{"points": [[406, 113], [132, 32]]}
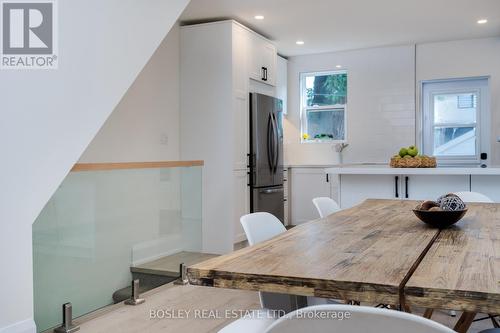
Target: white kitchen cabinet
{"points": [[286, 197], [240, 96], [282, 82], [307, 184], [241, 202], [216, 62], [354, 189], [430, 187], [263, 60], [487, 185]]}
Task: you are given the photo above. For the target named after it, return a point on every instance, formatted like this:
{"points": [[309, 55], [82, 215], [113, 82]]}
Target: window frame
{"points": [[427, 98], [304, 108]]}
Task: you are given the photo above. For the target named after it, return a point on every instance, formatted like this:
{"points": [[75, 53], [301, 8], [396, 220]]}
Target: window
{"points": [[323, 106], [453, 114]]}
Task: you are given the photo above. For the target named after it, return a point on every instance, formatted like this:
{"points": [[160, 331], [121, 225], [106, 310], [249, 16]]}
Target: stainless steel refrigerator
{"points": [[266, 155]]}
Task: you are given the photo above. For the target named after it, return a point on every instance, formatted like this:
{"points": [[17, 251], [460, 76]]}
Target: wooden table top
{"points": [[364, 253], [461, 270]]}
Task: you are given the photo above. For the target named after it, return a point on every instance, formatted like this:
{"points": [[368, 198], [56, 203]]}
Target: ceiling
{"points": [[335, 25]]}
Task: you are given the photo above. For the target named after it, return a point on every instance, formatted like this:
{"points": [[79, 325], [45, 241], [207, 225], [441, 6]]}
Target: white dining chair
{"points": [[353, 319], [325, 206], [473, 197], [260, 227], [255, 322]]}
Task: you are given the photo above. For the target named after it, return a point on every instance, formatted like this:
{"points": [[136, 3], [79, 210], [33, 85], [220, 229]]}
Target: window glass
{"points": [[325, 124], [328, 89], [324, 101], [454, 141], [455, 108]]}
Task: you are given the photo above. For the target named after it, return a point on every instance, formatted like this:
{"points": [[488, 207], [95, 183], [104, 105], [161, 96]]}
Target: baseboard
{"points": [[25, 326]]}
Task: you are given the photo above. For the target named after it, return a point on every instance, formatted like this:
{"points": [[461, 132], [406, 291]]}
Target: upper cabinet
{"points": [[281, 82], [263, 60]]}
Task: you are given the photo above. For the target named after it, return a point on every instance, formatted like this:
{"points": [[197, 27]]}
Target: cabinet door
{"points": [[241, 131], [487, 185], [354, 189], [306, 184], [241, 45], [430, 187], [256, 65], [282, 82], [269, 59], [241, 195], [286, 197], [263, 58]]}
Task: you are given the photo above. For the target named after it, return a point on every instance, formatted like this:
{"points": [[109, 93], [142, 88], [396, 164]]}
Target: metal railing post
{"points": [[67, 324]]}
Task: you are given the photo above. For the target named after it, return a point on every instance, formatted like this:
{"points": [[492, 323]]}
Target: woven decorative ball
{"points": [[451, 202], [440, 199]]}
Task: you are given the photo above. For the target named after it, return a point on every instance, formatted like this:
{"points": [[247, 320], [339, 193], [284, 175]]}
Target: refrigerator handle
{"points": [[273, 143], [276, 144], [269, 143]]}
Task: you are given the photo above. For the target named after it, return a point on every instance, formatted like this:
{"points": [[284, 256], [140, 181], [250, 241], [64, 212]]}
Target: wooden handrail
{"points": [[134, 165]]}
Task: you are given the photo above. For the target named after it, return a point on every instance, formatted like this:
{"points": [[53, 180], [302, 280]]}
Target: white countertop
{"points": [[387, 170]]}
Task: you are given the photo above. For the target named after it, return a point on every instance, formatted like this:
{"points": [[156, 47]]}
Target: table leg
{"points": [[428, 313], [463, 324], [298, 302]]}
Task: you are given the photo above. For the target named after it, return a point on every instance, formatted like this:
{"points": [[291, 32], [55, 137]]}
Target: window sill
{"points": [[322, 141]]}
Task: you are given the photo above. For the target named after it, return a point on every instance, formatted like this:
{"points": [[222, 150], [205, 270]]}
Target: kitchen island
{"points": [[357, 183]]}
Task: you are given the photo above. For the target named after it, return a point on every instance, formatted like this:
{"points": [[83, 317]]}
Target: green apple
{"points": [[408, 156], [412, 151], [403, 152]]}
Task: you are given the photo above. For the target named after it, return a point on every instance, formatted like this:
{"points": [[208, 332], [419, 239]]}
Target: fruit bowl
{"points": [[440, 218]]}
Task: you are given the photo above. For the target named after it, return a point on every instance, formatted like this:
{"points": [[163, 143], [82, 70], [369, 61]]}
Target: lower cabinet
{"points": [[354, 189], [241, 202], [306, 184], [430, 187], [487, 185]]}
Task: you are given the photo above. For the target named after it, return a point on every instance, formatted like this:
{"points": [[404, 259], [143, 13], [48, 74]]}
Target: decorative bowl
{"points": [[440, 219]]}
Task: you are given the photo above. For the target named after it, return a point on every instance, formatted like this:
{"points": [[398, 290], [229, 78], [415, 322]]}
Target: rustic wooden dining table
{"points": [[376, 252]]}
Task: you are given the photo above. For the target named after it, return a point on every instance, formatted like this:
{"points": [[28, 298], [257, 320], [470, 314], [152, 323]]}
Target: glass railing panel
{"points": [[99, 224]]}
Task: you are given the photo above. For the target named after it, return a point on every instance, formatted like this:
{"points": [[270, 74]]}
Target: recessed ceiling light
{"points": [[259, 17], [482, 21], [338, 66], [299, 42]]}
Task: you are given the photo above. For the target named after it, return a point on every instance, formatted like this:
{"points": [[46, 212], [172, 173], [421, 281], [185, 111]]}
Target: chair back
{"points": [[261, 226], [325, 206], [353, 319], [473, 197]]}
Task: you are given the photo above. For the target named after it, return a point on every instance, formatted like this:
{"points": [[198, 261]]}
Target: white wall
{"points": [[466, 58], [145, 124], [380, 106], [49, 117]]}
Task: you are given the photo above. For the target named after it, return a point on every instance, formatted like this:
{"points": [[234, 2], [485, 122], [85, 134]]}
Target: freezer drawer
{"points": [[269, 199]]}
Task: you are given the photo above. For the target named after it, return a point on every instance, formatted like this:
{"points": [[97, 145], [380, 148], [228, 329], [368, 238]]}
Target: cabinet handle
{"points": [[327, 178], [396, 181], [263, 73], [406, 187]]}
